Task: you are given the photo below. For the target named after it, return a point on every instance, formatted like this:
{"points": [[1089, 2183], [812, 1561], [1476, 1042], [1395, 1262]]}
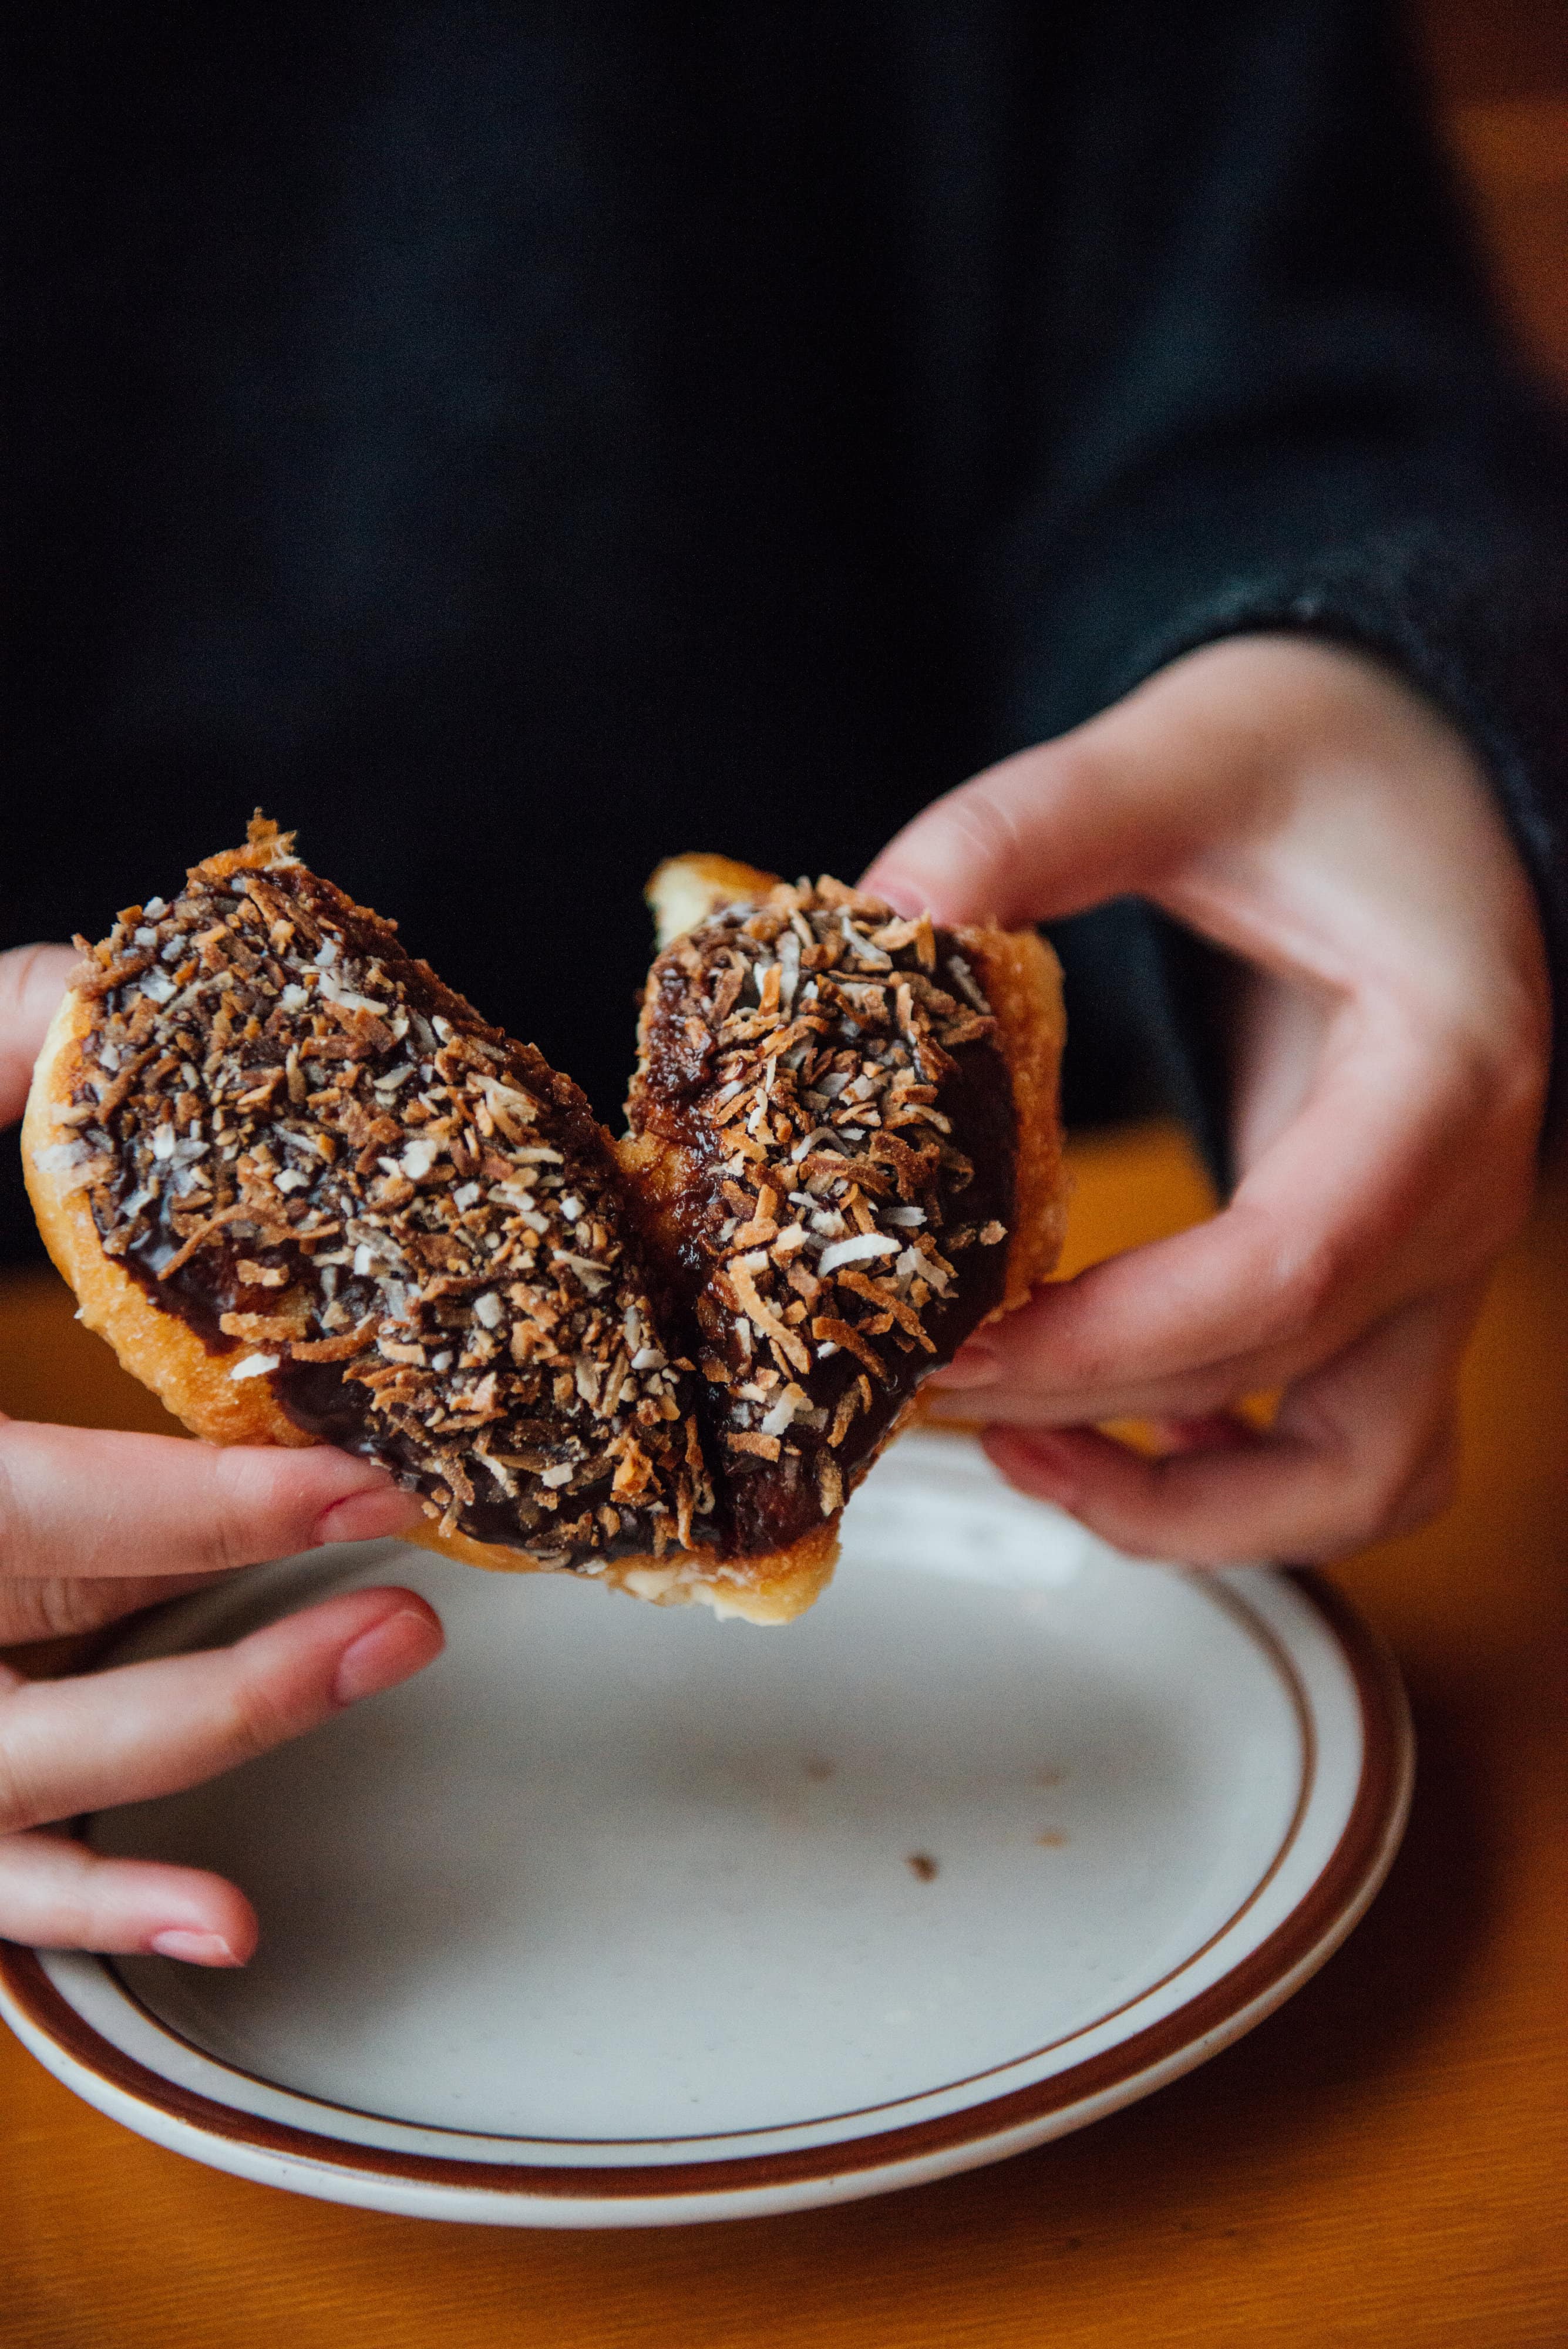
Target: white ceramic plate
{"points": [[620, 1915]]}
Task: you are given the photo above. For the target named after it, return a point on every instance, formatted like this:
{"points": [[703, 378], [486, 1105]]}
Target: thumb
{"points": [[1047, 832], [1110, 808], [32, 981]]}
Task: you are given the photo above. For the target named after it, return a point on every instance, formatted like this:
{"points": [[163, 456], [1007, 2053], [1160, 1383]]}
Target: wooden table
{"points": [[1384, 2161]]}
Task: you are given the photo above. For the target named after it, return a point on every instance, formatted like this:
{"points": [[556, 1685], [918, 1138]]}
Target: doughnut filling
{"points": [[303, 1145], [826, 1080]]}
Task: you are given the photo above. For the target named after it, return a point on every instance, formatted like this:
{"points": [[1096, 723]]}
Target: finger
{"points": [[60, 1606], [56, 1895], [83, 1501], [1116, 805], [1044, 835], [1176, 791], [1375, 1193], [32, 981], [124, 1736], [1364, 1448], [1175, 1330]]}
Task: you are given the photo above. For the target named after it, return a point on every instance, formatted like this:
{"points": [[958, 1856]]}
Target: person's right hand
{"points": [[1313, 814], [95, 1525]]}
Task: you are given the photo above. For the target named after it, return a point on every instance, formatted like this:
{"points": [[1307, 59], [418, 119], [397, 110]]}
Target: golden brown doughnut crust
{"points": [[158, 1348]]}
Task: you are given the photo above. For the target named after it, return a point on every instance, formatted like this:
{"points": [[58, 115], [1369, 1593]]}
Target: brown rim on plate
{"points": [[1217, 1594], [1309, 1933]]}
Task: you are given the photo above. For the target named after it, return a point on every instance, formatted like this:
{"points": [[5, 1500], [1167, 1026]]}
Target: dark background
{"points": [[368, 652]]}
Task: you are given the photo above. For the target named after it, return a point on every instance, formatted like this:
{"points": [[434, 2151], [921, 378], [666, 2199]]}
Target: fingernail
{"points": [[196, 1948], [397, 1646], [974, 1365], [904, 896], [384, 1510]]}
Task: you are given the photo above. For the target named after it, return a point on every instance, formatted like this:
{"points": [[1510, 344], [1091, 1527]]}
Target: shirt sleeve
{"points": [[1292, 408]]}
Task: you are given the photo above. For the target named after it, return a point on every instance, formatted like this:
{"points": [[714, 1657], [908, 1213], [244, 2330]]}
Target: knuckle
{"points": [[12, 1526], [1350, 1523], [985, 814], [1497, 1082], [1203, 1546], [256, 1718], [58, 1607], [1310, 1279], [1490, 1098], [18, 1808], [1395, 1491], [222, 1535], [226, 1548], [1176, 1532], [1431, 1487], [1380, 1492], [1286, 1280], [1426, 1499], [975, 831], [1070, 1356], [1426, 1457], [1211, 1531], [248, 1518]]}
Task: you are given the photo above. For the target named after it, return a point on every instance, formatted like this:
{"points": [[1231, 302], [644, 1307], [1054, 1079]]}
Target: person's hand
{"points": [[96, 1525], [1304, 808]]}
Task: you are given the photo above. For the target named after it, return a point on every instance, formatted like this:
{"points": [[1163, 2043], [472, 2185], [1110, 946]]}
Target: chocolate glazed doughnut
{"points": [[844, 1128], [308, 1194]]}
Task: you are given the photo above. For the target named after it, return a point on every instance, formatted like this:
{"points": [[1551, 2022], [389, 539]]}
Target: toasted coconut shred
{"points": [[830, 1074], [302, 1143]]}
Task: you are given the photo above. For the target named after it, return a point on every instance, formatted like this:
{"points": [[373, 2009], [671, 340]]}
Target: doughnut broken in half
{"points": [[845, 1131], [308, 1194]]}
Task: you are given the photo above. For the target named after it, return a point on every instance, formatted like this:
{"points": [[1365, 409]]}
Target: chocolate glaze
{"points": [[763, 1506], [321, 1397], [662, 1268], [324, 1403]]}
